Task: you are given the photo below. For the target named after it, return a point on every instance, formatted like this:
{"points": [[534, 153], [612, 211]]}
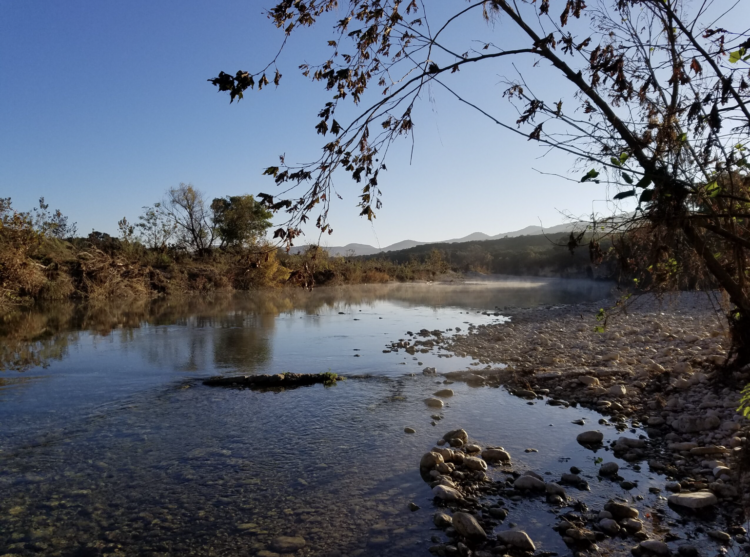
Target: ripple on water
{"points": [[191, 469]]}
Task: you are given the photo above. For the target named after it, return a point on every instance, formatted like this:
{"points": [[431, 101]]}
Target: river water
{"points": [[111, 445]]}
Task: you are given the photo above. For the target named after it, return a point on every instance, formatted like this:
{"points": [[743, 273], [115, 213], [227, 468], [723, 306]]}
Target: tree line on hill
{"points": [[186, 244]]}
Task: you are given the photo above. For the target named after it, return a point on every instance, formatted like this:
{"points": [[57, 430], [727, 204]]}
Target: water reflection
{"points": [[35, 337]]}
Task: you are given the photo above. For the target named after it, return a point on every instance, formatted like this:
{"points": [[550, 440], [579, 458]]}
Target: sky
{"points": [[106, 105]]}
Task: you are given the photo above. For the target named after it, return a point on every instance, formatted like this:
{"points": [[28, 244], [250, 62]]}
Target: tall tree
{"points": [[186, 207], [658, 106], [239, 220]]}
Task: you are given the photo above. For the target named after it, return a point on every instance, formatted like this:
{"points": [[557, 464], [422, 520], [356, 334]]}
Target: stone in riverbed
{"points": [[442, 520], [457, 434], [446, 493], [555, 489], [589, 381], [433, 402], [590, 437], [620, 510], [409, 430], [696, 500], [518, 539], [530, 483], [720, 536], [656, 547], [493, 455], [430, 460], [711, 449], [694, 424], [498, 513], [632, 525], [617, 391], [445, 393], [609, 469], [288, 544], [609, 526], [474, 463], [467, 526]]}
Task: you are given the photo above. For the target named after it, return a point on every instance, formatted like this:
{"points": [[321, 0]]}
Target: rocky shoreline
{"points": [[650, 371]]}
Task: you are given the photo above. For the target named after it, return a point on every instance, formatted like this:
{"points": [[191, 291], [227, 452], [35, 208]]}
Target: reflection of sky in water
{"points": [[344, 330], [116, 445]]}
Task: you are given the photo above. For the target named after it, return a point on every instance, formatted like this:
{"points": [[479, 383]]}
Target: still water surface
{"points": [[111, 445]]}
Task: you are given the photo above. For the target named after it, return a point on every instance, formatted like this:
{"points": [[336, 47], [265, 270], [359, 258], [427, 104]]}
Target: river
{"points": [[111, 445]]}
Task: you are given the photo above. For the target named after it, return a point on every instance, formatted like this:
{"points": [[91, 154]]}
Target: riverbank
{"points": [[650, 370]]}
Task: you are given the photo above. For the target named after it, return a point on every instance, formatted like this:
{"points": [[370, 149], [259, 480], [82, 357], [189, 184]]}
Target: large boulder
{"points": [[468, 527]]}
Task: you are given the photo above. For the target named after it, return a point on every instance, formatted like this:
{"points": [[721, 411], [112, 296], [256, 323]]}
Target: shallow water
{"points": [[116, 447]]}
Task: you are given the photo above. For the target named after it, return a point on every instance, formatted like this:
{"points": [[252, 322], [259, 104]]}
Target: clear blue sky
{"points": [[105, 105]]}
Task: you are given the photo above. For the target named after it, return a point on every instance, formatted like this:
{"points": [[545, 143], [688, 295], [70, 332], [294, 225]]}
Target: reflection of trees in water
{"points": [[33, 337]]}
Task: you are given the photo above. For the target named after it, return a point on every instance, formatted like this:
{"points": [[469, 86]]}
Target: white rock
{"points": [[696, 500], [589, 381]]}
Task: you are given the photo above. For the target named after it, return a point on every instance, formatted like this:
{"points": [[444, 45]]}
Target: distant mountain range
{"points": [[365, 249]]}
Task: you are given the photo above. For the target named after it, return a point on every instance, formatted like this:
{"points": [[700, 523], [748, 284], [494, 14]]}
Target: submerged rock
{"points": [[288, 544]]}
